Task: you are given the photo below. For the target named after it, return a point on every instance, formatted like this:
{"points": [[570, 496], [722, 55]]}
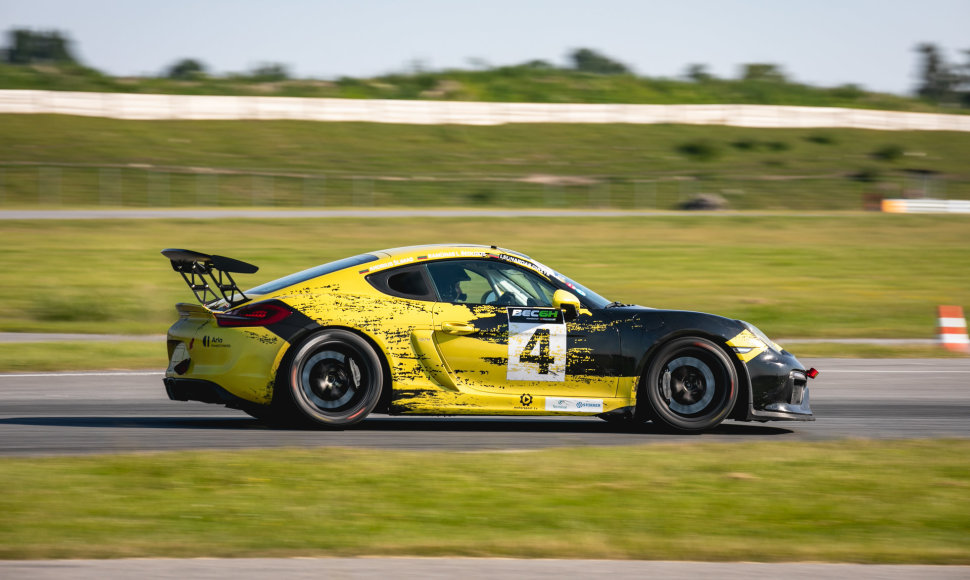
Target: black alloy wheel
{"points": [[691, 385], [335, 378]]}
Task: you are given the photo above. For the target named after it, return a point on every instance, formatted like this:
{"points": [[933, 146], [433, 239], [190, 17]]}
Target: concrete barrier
{"points": [[194, 107]]}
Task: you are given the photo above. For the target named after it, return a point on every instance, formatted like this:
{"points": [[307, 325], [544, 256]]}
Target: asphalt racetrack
{"points": [[82, 413]]}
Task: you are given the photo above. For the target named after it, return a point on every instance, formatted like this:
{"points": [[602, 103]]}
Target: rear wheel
{"points": [[335, 378], [691, 386]]}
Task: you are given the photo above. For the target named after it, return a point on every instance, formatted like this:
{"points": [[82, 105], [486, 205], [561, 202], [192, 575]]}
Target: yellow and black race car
{"points": [[463, 329]]}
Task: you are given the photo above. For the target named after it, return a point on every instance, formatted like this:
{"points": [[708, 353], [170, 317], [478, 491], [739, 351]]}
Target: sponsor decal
{"points": [[213, 342], [537, 344], [573, 405], [544, 315], [525, 403]]}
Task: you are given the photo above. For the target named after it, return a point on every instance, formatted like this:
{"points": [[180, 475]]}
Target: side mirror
{"points": [[567, 302]]}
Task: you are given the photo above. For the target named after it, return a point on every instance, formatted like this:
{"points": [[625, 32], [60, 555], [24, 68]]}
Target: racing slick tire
{"points": [[690, 386], [335, 379]]}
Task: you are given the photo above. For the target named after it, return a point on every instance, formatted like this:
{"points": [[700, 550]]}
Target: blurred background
{"points": [[793, 125], [702, 105], [747, 158]]}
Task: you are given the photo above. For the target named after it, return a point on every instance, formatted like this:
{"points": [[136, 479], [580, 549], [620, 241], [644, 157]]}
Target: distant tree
{"points": [[938, 80], [763, 72], [588, 60], [964, 73], [186, 69], [269, 72], [698, 73], [28, 46], [537, 65]]}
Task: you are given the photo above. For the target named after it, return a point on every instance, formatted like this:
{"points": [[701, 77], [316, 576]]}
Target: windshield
{"points": [[582, 292], [305, 275]]}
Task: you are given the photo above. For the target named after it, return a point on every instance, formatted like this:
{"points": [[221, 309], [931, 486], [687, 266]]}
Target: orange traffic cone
{"points": [[953, 329]]}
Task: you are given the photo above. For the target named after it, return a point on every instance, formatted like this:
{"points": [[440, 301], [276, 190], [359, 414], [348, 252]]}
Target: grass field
{"points": [[835, 276], [34, 357], [50, 160], [847, 501]]}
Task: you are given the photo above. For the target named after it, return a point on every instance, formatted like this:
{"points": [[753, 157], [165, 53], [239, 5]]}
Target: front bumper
{"points": [[779, 389]]}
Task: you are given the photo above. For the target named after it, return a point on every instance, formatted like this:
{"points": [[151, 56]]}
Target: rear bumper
{"points": [[203, 391]]}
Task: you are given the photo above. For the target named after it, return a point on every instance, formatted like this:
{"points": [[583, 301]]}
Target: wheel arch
{"points": [[741, 406], [382, 357]]}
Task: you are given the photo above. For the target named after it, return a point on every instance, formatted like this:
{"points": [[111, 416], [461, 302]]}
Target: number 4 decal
{"points": [[537, 345]]}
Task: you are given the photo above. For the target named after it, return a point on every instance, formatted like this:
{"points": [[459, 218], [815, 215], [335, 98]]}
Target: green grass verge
{"points": [[835, 276], [81, 356], [847, 501], [51, 160]]}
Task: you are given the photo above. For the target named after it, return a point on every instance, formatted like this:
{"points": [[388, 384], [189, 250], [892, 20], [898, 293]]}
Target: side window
{"points": [[459, 282], [410, 282], [489, 282]]}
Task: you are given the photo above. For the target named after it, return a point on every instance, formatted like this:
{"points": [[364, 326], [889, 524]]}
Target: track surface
{"points": [[465, 568], [80, 413], [70, 413]]}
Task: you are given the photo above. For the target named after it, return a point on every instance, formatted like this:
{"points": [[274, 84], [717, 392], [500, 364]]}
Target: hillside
{"points": [[505, 84], [50, 160]]}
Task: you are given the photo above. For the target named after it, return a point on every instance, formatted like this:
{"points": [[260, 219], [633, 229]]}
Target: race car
{"points": [[463, 330]]}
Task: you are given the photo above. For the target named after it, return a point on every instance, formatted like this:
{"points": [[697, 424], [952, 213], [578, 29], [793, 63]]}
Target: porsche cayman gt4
{"points": [[463, 329]]}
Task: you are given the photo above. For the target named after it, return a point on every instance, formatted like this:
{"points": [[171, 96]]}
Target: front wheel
{"points": [[691, 386], [335, 378]]}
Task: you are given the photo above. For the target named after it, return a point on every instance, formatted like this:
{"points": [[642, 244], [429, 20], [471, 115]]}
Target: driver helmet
{"points": [[452, 277]]}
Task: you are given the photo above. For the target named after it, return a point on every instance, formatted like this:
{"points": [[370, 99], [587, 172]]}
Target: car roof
{"points": [[393, 257], [425, 249]]}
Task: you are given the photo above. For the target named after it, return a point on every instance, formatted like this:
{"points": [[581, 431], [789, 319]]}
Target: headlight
{"points": [[761, 336]]}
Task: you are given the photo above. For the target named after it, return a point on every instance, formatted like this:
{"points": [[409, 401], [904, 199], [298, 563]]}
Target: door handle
{"points": [[459, 328]]}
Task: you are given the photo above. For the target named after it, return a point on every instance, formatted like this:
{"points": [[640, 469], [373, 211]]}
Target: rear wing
{"points": [[209, 276]]}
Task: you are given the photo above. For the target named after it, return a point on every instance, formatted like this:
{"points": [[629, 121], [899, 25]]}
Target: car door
{"points": [[497, 331]]}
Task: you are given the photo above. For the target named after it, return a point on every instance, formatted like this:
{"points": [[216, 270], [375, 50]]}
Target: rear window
{"points": [[305, 275]]}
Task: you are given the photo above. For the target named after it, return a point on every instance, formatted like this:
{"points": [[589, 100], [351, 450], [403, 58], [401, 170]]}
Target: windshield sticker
{"points": [[544, 270], [537, 344], [547, 272], [574, 288]]}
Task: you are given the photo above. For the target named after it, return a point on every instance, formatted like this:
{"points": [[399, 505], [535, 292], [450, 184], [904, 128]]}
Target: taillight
{"points": [[258, 314]]}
